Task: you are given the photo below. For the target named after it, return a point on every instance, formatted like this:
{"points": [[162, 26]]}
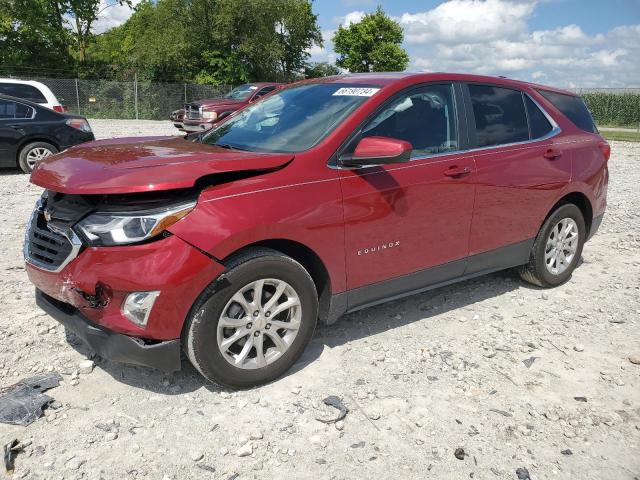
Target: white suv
{"points": [[33, 91]]}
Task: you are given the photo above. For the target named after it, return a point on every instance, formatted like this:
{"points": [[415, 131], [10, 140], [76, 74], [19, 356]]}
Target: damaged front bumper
{"points": [[87, 296], [162, 355]]}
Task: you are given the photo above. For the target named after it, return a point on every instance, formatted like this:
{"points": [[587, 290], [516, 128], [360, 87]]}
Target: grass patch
{"points": [[631, 136]]}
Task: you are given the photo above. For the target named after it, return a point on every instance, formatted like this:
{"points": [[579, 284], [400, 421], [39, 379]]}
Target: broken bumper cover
{"points": [[162, 355]]}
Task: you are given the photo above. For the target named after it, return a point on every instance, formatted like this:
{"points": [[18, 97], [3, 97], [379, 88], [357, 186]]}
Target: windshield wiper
{"points": [[229, 147]]}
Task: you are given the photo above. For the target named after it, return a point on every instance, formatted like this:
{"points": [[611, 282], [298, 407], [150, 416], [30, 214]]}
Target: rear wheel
{"points": [[557, 248], [252, 324], [32, 153]]}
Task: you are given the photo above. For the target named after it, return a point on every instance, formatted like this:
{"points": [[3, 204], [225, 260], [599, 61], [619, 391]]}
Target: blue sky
{"points": [[566, 43]]}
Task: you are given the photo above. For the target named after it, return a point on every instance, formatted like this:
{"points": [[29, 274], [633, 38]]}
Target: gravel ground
{"points": [[517, 377]]}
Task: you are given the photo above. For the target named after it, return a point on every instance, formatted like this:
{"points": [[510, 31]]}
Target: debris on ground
{"points": [[566, 452], [335, 402], [523, 474], [529, 361], [11, 450], [635, 358], [22, 403], [459, 453]]}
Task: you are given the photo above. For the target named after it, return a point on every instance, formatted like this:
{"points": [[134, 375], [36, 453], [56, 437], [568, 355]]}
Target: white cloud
{"points": [[458, 21], [112, 14], [493, 37], [351, 17]]}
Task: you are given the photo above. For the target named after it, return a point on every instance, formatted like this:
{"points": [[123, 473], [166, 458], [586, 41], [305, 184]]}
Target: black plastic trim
{"points": [[164, 355], [434, 277], [595, 225]]}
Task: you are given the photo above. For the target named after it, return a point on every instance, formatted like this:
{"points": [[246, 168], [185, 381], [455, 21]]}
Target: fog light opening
{"points": [[137, 306]]}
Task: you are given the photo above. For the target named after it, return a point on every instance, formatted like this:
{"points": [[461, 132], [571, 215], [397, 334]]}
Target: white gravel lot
{"points": [[422, 377]]}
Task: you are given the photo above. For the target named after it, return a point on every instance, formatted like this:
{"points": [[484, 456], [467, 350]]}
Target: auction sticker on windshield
{"points": [[355, 91]]}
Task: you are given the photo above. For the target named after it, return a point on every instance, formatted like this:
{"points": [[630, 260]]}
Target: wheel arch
{"points": [[308, 258], [581, 201]]}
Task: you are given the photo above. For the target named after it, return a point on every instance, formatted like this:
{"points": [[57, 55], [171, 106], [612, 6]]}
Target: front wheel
{"points": [[253, 323], [557, 248]]}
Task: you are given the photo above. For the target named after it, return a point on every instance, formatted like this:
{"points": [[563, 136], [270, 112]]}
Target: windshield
{"points": [[292, 120], [242, 92]]}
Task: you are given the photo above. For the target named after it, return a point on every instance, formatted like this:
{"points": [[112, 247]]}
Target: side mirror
{"points": [[378, 151]]}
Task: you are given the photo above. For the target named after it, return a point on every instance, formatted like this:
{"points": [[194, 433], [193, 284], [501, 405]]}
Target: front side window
{"points": [[242, 92], [11, 110], [264, 91], [21, 90], [499, 114], [424, 117], [291, 120]]}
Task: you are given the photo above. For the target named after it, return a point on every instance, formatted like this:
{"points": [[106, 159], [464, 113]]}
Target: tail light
{"points": [[80, 124], [58, 108], [605, 148]]}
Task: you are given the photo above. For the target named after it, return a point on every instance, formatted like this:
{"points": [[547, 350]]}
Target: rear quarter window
{"points": [[20, 90], [538, 123], [573, 108]]}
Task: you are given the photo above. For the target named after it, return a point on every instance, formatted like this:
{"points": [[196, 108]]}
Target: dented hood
{"points": [[143, 164]]}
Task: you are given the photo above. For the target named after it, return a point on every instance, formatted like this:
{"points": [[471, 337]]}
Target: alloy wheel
{"points": [[37, 154], [561, 246], [259, 323]]}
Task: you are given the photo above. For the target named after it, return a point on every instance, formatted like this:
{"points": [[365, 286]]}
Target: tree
{"points": [[33, 37], [320, 69], [373, 44], [82, 15]]}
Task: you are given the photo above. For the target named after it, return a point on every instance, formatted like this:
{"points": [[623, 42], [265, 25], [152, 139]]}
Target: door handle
{"points": [[552, 154], [457, 172]]}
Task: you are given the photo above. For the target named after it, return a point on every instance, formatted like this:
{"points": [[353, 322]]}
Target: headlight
{"points": [[209, 115], [120, 228]]}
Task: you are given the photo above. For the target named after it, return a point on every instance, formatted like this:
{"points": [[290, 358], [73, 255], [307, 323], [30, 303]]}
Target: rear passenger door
{"points": [[14, 117], [521, 168]]}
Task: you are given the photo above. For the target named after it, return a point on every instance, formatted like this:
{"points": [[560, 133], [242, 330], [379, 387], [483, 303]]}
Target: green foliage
{"points": [[613, 109], [627, 136], [33, 36], [371, 45], [320, 69], [212, 41]]}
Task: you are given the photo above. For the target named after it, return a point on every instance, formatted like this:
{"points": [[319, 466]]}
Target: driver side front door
{"points": [[407, 224]]}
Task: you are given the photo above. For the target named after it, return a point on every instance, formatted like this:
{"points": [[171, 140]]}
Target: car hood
{"points": [[144, 164], [219, 102]]}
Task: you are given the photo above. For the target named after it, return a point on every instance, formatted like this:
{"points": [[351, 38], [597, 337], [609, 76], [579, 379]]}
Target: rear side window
{"points": [[538, 122], [499, 114], [20, 90], [573, 108], [12, 110]]}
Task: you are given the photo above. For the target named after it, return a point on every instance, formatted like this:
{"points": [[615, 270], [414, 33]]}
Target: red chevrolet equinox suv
{"points": [[328, 196]]}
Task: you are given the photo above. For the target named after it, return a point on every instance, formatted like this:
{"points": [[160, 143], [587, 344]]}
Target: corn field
{"points": [[616, 109]]}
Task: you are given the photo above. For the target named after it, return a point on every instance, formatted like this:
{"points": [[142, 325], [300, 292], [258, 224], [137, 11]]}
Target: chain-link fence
{"points": [[136, 100]]}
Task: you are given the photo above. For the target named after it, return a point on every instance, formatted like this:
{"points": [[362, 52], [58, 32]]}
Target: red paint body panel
{"points": [[420, 214], [143, 165], [170, 265], [366, 226]]}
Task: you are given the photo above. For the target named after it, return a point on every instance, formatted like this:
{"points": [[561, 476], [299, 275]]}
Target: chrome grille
{"points": [[45, 248], [192, 112]]}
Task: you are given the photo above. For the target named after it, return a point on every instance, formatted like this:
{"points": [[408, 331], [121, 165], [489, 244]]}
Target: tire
{"points": [[540, 270], [31, 150], [203, 333]]}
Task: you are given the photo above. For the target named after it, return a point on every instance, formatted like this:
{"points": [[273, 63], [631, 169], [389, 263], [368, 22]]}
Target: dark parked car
{"points": [[30, 132], [326, 197], [201, 115]]}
